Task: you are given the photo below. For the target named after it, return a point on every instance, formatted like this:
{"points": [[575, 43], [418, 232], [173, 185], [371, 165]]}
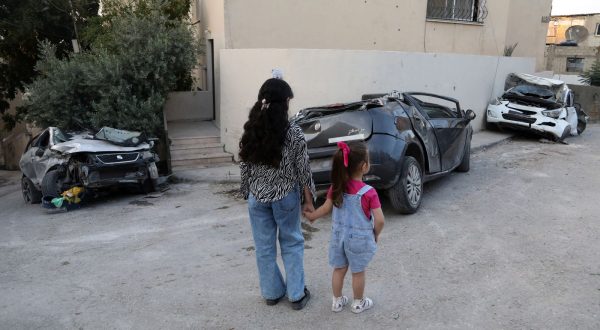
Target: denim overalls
{"points": [[352, 238]]}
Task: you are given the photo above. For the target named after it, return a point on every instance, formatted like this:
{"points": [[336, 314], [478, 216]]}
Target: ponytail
{"points": [[343, 170]]}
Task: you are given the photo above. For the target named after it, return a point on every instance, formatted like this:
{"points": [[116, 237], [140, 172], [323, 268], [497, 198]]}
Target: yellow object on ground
{"points": [[73, 195]]}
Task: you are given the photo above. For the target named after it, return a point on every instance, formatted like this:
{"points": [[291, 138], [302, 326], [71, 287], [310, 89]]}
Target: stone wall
{"points": [[589, 98]]}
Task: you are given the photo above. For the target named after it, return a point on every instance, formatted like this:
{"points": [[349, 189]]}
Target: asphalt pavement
{"points": [[512, 244]]}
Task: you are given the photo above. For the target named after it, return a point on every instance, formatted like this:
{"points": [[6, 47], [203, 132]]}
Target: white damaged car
{"points": [[539, 105]]}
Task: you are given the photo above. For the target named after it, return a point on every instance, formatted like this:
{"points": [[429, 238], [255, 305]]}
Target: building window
{"points": [[457, 10], [598, 29], [574, 64]]}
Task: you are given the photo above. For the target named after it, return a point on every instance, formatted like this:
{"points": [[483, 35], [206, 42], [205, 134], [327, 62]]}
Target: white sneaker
{"points": [[339, 303], [358, 306]]}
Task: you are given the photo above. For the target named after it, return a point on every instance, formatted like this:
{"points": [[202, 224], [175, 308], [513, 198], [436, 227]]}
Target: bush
{"points": [[592, 76], [122, 82]]}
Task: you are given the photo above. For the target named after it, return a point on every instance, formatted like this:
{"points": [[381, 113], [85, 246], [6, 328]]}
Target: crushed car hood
{"points": [[80, 143], [515, 79]]}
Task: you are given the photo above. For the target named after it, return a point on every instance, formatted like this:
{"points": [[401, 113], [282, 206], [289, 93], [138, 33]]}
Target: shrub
{"points": [[122, 82]]}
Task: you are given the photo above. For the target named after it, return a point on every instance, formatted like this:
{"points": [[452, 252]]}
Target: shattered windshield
{"points": [[533, 91], [59, 136]]}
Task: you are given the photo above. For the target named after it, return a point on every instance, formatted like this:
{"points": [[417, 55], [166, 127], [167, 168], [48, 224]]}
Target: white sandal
{"points": [[339, 303], [359, 306]]}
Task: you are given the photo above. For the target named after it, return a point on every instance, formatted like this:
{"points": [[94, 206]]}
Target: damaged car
{"points": [[412, 138], [539, 105], [55, 161]]}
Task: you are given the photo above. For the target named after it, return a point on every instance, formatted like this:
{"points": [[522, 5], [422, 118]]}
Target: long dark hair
{"points": [[267, 125], [340, 174]]}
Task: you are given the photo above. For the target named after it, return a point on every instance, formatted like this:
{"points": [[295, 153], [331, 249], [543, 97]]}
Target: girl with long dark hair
{"points": [[357, 222], [276, 176]]}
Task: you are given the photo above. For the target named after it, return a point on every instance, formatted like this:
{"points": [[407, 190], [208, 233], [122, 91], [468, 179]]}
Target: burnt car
{"points": [[412, 138], [55, 161]]}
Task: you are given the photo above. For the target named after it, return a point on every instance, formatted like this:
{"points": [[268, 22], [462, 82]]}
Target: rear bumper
{"points": [[385, 153]]}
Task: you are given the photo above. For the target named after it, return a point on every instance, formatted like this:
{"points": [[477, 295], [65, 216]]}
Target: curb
{"points": [[228, 177], [491, 144]]}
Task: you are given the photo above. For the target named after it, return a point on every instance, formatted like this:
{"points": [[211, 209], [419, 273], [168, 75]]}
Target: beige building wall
{"points": [[211, 14], [384, 25], [525, 26]]}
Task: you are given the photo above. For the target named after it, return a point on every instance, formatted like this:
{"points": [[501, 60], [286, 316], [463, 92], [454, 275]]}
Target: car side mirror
{"points": [[39, 152], [470, 115]]}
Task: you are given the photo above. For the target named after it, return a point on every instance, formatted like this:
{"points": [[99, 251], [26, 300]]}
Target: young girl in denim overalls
{"points": [[357, 222]]}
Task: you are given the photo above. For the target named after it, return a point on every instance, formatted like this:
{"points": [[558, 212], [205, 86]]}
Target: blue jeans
{"points": [[266, 219]]}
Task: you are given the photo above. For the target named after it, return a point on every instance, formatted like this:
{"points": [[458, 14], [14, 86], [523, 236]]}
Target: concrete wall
{"points": [[13, 143], [321, 77], [183, 106], [589, 98]]}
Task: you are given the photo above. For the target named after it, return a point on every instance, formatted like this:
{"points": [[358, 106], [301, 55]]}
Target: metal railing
{"points": [[457, 10]]}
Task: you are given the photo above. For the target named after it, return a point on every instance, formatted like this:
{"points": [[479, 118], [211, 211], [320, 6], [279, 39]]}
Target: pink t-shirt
{"points": [[369, 201]]}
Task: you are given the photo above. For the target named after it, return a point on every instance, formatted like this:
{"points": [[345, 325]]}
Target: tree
{"points": [[121, 82], [592, 76], [23, 23]]}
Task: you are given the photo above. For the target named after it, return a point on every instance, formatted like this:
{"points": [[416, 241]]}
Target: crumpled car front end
{"points": [[107, 169], [548, 122], [538, 105]]}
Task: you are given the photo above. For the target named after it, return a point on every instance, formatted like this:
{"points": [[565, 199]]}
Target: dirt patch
{"points": [[307, 227]]}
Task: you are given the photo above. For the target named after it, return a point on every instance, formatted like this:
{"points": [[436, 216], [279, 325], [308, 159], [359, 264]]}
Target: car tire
{"points": [[465, 164], [581, 125], [52, 184], [30, 193], [405, 196]]}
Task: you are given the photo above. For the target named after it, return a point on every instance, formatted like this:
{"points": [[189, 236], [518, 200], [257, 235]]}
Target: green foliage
{"points": [[592, 76], [25, 22], [122, 82]]}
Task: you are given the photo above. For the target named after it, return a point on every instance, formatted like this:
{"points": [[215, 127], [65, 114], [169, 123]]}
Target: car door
{"points": [[449, 124], [39, 153], [426, 132]]}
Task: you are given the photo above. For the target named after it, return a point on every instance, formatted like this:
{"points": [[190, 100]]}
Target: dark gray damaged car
{"points": [[412, 138]]}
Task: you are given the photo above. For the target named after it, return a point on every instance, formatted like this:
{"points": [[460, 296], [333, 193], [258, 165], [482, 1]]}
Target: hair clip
{"points": [[345, 151], [265, 105]]}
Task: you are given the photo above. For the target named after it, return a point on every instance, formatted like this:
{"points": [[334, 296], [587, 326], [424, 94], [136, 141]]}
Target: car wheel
{"points": [[465, 165], [52, 184], [30, 193], [581, 125], [405, 195]]}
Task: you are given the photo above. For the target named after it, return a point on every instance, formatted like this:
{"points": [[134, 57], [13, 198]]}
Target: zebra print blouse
{"points": [[268, 184]]}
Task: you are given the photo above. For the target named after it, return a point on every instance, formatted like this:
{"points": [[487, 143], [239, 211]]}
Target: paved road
{"points": [[512, 244]]}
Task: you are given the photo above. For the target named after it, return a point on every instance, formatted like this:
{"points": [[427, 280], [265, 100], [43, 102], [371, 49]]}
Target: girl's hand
{"points": [[308, 207], [309, 216]]}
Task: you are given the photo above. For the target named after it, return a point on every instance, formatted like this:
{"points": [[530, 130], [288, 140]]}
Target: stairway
{"points": [[197, 147]]}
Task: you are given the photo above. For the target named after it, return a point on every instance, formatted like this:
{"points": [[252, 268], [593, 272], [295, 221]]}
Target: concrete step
{"points": [[194, 146], [199, 140], [203, 160], [201, 155], [182, 168], [176, 153]]}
